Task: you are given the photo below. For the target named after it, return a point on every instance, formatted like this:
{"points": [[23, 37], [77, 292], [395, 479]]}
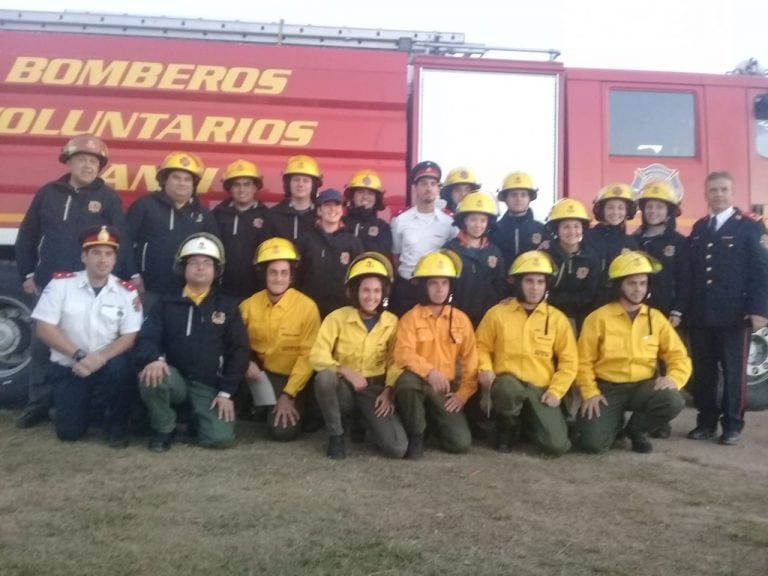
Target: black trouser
{"points": [[728, 347], [40, 392]]}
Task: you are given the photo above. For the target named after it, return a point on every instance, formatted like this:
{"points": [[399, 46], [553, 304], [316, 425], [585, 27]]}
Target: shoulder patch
{"points": [[127, 285], [60, 275]]}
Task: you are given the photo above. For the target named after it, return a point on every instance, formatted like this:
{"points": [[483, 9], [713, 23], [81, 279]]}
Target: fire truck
{"points": [[353, 99]]}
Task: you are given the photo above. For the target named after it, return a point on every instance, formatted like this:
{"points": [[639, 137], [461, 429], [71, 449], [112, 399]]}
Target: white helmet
{"points": [[200, 244]]}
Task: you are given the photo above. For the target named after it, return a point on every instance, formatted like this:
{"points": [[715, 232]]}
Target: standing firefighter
{"points": [[458, 183], [282, 325], [364, 198], [242, 221], [193, 347], [620, 347], [90, 320], [48, 241], [579, 269], [528, 358], [354, 361], [418, 230], [482, 283], [295, 215], [517, 231], [729, 296], [161, 220], [435, 345]]}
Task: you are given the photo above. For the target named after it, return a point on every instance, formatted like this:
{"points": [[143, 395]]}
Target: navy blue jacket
{"points": [[48, 238], [287, 222], [158, 228], [517, 234], [670, 289], [608, 242], [729, 272], [577, 284], [206, 343], [374, 233]]}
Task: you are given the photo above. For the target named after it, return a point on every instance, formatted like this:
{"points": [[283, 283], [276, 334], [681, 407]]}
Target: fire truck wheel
{"points": [[757, 371], [15, 337]]}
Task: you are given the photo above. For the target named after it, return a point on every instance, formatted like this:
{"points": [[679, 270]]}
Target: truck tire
{"points": [[757, 371], [15, 338]]}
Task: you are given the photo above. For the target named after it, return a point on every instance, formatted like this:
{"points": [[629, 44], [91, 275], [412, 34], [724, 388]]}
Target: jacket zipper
{"points": [[234, 228], [66, 208], [170, 223], [189, 321], [144, 256]]}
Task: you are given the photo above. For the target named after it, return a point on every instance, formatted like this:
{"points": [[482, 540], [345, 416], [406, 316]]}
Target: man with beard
{"points": [[364, 198], [282, 325], [528, 360], [620, 346]]}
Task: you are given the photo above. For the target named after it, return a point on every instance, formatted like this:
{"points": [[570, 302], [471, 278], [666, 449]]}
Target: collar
{"points": [[424, 311], [722, 217], [617, 309], [196, 298], [84, 283], [464, 240]]}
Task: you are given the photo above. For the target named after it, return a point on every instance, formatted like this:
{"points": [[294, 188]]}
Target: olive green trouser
{"points": [[418, 402], [519, 402], [288, 431], [175, 389], [337, 399], [650, 409]]}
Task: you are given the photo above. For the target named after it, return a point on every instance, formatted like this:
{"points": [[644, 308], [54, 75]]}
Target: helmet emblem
{"points": [[103, 235], [184, 161], [91, 144], [464, 174], [201, 244], [369, 263], [616, 191], [366, 180]]}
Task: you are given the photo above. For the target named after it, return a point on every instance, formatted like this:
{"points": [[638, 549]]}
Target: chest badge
{"points": [[373, 231], [492, 261], [536, 238], [94, 206], [669, 251], [582, 272], [258, 222], [218, 317], [344, 258]]}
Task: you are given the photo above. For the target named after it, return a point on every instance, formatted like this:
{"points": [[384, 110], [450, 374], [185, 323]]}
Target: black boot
{"points": [[415, 447], [640, 442], [336, 449], [160, 442]]}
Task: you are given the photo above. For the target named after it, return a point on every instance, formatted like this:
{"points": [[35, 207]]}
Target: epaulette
{"points": [[448, 212], [60, 275], [127, 285]]}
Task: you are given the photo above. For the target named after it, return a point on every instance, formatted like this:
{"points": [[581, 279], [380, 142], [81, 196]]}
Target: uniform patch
{"points": [[373, 231], [127, 285], [492, 261], [94, 206], [764, 240], [344, 258], [536, 238], [60, 275], [258, 222], [582, 272], [218, 317], [669, 251]]}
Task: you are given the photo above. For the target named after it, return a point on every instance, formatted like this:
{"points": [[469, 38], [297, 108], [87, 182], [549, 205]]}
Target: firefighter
{"points": [[364, 198], [294, 216], [458, 183], [528, 360], [354, 362], [193, 347], [482, 283], [729, 296], [619, 348], [435, 345], [48, 241], [612, 208], [326, 252], [517, 231], [282, 325], [242, 221], [160, 221], [418, 230], [579, 269], [90, 320]]}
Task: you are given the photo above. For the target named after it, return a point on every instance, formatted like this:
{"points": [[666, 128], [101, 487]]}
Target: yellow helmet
{"points": [[200, 244], [438, 263], [241, 169], [533, 262], [659, 191], [305, 165], [517, 181], [184, 161], [477, 202], [367, 179], [568, 209], [85, 144], [633, 262], [370, 264], [616, 191], [461, 175], [276, 249]]}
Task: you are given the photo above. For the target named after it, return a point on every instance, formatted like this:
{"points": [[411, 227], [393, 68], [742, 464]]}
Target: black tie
{"points": [[712, 225]]}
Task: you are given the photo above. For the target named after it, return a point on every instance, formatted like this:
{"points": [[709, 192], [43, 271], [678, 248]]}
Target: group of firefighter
{"points": [[448, 322]]}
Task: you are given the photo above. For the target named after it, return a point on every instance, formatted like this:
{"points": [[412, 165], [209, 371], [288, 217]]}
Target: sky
{"points": [[680, 35]]}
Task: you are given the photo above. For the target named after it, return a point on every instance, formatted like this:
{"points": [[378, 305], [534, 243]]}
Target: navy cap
{"points": [[329, 195], [425, 168]]}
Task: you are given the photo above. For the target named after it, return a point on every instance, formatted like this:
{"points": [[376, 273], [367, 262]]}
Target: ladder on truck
{"points": [[411, 41]]}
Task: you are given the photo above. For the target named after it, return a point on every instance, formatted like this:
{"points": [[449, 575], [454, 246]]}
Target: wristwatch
{"points": [[79, 354]]}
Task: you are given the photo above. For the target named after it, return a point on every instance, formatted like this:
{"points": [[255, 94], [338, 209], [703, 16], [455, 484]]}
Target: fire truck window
{"points": [[651, 124], [761, 137]]}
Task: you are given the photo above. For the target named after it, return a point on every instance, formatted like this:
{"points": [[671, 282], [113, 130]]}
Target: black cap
{"points": [[425, 168], [329, 195]]}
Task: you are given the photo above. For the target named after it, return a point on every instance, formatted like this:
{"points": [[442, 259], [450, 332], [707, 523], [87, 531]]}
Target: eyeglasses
{"points": [[200, 263]]}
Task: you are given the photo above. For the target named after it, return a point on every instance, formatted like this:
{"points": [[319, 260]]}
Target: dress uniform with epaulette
{"points": [[729, 262]]}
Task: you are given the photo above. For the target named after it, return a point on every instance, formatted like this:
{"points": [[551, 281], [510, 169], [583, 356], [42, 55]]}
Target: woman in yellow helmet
{"points": [[353, 359], [364, 199], [458, 183], [482, 283]]}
